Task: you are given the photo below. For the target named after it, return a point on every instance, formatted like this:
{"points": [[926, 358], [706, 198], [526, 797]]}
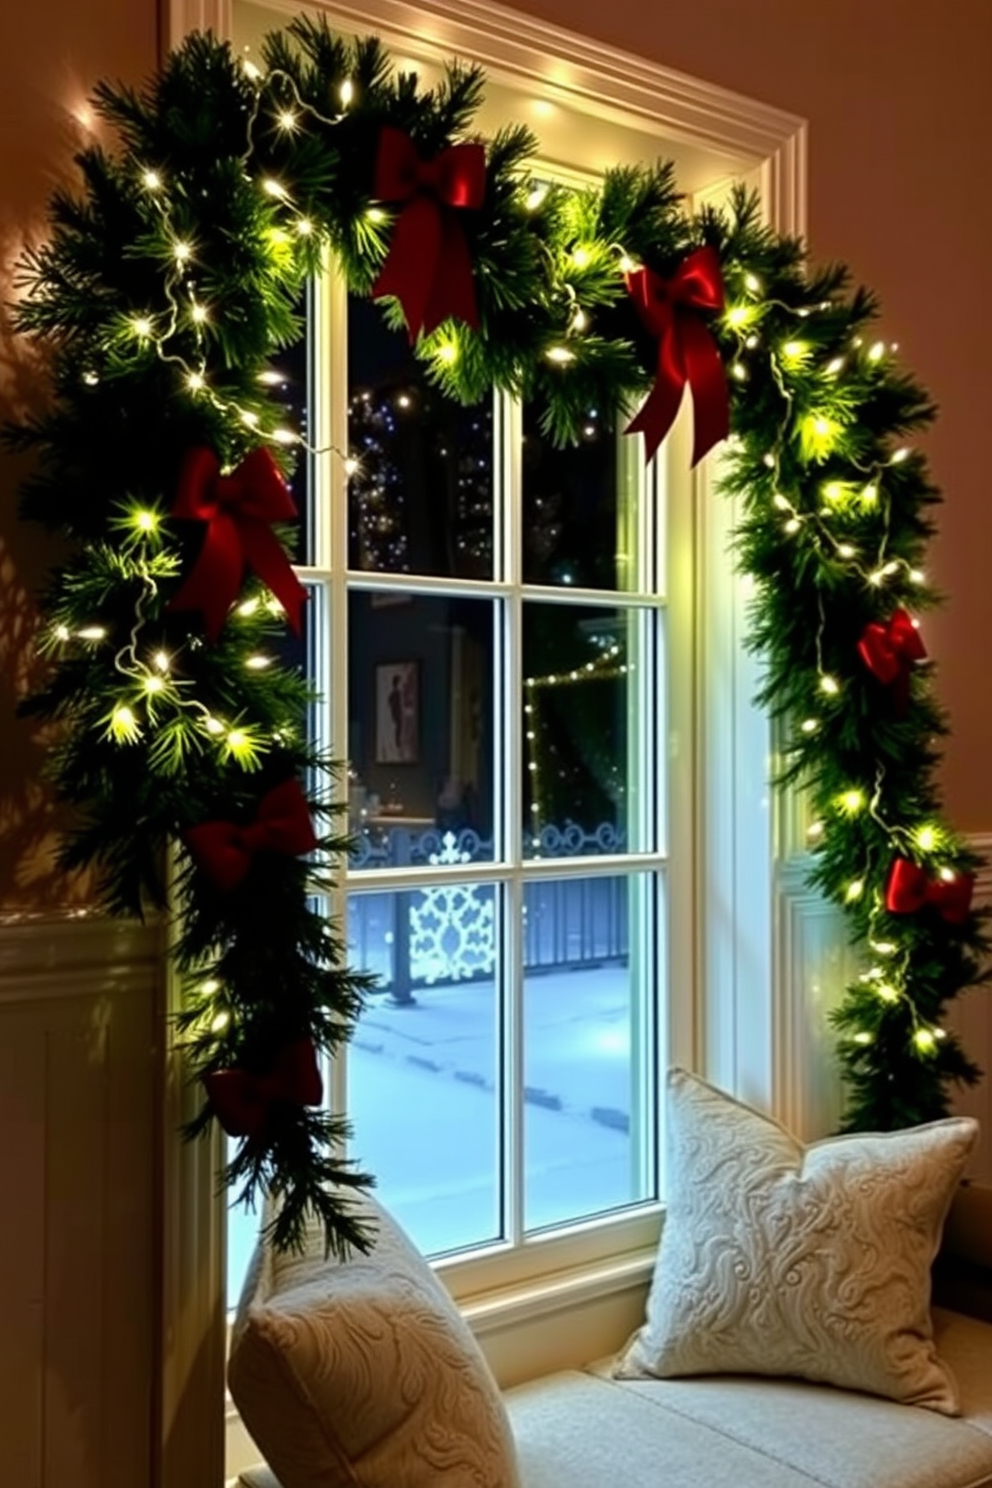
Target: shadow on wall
{"points": [[30, 817]]}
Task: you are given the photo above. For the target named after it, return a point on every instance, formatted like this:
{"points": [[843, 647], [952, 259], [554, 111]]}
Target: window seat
{"points": [[584, 1429]]}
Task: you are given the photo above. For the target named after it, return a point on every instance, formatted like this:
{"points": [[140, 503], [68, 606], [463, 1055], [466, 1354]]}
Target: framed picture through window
{"points": [[397, 713]]}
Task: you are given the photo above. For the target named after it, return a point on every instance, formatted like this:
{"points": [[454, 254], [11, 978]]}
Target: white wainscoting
{"points": [[79, 1128], [971, 1018]]}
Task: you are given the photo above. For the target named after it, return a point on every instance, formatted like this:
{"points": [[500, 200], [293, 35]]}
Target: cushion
{"points": [[363, 1372], [780, 1259]]}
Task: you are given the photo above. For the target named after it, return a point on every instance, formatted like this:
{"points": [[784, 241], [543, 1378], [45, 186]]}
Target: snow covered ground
{"points": [[423, 1100]]}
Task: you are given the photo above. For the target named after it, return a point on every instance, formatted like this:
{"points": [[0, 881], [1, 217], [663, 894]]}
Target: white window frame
{"points": [[744, 1014]]}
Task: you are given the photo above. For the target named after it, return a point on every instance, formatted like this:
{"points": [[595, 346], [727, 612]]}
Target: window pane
{"points": [[423, 1062], [242, 1232], [588, 1041], [420, 729], [579, 507], [577, 787], [421, 498]]}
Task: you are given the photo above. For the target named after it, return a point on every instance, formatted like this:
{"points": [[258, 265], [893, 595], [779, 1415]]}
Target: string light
{"points": [[877, 352], [854, 890], [258, 663], [851, 801], [123, 727], [535, 197], [923, 1039], [560, 355], [347, 92], [152, 180], [181, 252], [830, 685], [92, 633], [200, 313], [161, 660], [141, 325], [274, 188], [287, 120]]}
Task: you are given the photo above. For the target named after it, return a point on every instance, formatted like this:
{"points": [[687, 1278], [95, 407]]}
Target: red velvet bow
{"points": [[241, 1101], [687, 352], [909, 889], [237, 509], [889, 650], [428, 267], [282, 824]]}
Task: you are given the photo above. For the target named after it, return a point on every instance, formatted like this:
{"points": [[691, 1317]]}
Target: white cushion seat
{"points": [[582, 1429]]}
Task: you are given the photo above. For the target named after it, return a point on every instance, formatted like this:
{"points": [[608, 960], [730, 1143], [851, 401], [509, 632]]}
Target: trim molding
{"points": [[58, 955]]}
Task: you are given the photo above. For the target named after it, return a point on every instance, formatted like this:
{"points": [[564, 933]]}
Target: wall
{"points": [[51, 53]]}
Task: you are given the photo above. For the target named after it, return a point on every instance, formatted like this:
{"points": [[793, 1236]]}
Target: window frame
{"points": [[744, 1016]]}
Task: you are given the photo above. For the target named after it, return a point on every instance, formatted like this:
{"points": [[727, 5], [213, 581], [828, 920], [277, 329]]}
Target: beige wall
{"points": [[51, 53], [895, 92]]}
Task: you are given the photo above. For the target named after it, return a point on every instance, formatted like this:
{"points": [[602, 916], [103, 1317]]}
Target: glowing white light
{"points": [[258, 663], [287, 120], [274, 188], [830, 685], [92, 633], [200, 313], [152, 180], [304, 226], [283, 436], [560, 354], [535, 197], [877, 352], [196, 382], [181, 252], [347, 92], [351, 465]]}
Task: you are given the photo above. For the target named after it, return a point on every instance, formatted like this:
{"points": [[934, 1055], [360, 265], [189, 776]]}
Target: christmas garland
{"points": [[163, 292]]}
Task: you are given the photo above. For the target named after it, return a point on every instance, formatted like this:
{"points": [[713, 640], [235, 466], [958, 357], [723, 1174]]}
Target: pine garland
{"points": [[162, 294]]}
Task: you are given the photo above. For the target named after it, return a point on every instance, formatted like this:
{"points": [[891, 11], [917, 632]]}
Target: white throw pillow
{"points": [[780, 1259], [363, 1371]]}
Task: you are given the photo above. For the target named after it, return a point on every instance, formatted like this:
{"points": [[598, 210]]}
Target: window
{"points": [[530, 885], [488, 630]]}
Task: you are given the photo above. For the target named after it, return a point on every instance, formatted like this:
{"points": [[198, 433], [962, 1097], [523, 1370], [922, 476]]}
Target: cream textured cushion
{"points": [[362, 1372], [780, 1259]]}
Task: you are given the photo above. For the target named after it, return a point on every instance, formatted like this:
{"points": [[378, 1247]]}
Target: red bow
{"points": [[909, 889], [282, 824], [889, 650], [241, 1100], [429, 268], [237, 509], [687, 352]]}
